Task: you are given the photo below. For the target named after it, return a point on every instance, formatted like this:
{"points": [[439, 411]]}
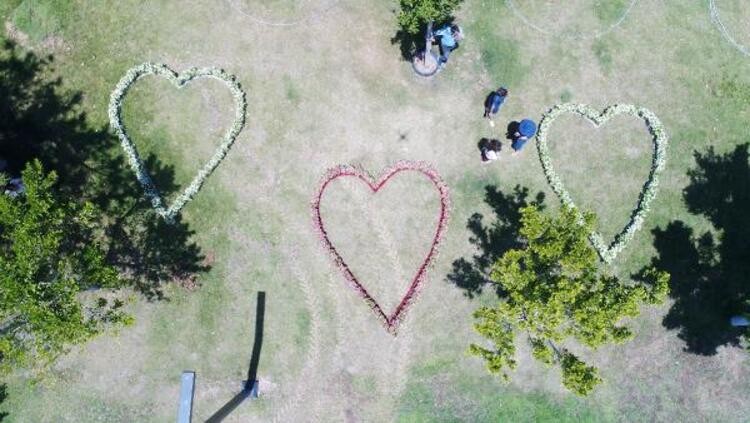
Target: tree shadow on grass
{"points": [[408, 43], [492, 240], [3, 397], [40, 119], [710, 273], [148, 249]]}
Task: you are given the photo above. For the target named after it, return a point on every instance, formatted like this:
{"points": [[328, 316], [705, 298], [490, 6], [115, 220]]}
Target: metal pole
{"points": [[185, 412], [428, 41]]}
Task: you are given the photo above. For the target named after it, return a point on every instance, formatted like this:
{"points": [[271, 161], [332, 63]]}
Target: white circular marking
{"points": [[716, 19], [512, 6], [311, 16]]}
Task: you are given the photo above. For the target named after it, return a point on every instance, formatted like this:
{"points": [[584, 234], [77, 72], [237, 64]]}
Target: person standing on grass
{"points": [[448, 37], [526, 130], [493, 103]]}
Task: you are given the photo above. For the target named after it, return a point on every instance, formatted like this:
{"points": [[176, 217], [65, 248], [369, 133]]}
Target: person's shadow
{"points": [[493, 239], [512, 129], [250, 386], [709, 281], [483, 144], [486, 144]]}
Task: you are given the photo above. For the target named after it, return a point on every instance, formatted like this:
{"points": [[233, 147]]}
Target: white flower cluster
{"points": [[179, 80], [659, 159]]}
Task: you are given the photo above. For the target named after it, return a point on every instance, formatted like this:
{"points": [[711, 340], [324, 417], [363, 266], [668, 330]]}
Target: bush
{"points": [[415, 14]]}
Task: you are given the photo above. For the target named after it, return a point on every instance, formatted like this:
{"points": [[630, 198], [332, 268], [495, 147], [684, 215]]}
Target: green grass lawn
{"points": [[334, 90]]}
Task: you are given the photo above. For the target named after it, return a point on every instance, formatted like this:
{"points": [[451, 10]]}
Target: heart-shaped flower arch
{"points": [[390, 321], [179, 80], [658, 161]]}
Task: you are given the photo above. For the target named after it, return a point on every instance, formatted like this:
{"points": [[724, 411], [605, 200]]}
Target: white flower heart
{"points": [[659, 159], [179, 80]]}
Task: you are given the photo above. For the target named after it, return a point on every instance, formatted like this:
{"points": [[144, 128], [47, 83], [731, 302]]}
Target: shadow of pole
{"points": [[260, 312], [252, 371], [227, 409]]}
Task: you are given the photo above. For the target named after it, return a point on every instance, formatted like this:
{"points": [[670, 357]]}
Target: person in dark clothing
{"points": [[490, 150], [493, 103]]}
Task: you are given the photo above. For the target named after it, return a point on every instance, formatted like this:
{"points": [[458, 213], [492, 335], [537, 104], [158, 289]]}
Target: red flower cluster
{"points": [[389, 321]]}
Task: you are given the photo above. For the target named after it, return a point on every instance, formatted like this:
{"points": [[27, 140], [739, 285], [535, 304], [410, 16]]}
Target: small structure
{"points": [[253, 388]]}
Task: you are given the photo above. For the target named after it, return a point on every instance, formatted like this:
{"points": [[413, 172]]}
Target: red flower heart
{"points": [[390, 321]]}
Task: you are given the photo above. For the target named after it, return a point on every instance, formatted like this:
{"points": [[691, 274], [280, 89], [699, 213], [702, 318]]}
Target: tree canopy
{"points": [[556, 294], [47, 259], [415, 14]]}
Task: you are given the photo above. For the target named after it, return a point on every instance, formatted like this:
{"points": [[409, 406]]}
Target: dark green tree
{"points": [[48, 258], [41, 119], [415, 14], [555, 294]]}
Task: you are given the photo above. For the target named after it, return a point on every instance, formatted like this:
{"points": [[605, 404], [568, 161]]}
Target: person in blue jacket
{"points": [[448, 37], [493, 103], [526, 130]]}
